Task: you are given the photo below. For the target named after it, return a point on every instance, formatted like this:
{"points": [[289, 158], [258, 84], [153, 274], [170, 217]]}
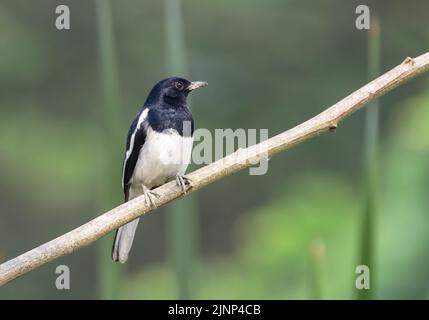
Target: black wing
{"points": [[135, 140]]}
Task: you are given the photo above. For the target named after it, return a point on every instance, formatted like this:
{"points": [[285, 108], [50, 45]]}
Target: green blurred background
{"points": [[68, 97]]}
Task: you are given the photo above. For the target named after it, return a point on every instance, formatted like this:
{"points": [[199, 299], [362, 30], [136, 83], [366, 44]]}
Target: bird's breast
{"points": [[163, 155]]}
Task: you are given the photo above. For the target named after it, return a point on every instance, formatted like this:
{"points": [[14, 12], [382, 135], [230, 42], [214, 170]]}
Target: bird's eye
{"points": [[179, 85]]}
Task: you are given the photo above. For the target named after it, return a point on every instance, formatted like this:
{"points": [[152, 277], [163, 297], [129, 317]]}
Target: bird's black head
{"points": [[172, 91]]}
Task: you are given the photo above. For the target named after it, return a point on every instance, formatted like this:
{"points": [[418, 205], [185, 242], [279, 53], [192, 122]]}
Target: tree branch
{"points": [[242, 158]]}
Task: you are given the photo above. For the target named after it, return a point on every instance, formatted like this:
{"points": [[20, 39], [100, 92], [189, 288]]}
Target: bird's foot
{"points": [[150, 196], [184, 183]]}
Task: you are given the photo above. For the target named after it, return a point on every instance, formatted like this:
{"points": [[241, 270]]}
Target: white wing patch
{"points": [[142, 117]]}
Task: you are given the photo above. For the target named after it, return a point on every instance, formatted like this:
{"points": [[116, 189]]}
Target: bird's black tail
{"points": [[123, 241]]}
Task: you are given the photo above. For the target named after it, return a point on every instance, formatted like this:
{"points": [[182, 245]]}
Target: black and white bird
{"points": [[158, 150]]}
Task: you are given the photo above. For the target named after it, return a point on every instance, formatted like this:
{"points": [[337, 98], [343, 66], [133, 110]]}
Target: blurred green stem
{"points": [[371, 162], [175, 38], [109, 116], [182, 215], [317, 254]]}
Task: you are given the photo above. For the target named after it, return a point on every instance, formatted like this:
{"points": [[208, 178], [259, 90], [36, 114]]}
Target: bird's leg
{"points": [[183, 182], [149, 197]]}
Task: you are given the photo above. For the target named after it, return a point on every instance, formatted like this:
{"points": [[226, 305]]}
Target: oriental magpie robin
{"points": [[158, 149]]}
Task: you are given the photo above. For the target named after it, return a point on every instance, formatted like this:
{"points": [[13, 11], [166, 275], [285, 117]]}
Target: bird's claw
{"points": [[149, 196], [184, 183]]}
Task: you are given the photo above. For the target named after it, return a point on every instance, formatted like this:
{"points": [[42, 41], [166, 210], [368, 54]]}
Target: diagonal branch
{"points": [[241, 159]]}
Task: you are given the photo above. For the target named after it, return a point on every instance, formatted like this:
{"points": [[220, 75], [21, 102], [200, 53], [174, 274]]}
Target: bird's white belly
{"points": [[162, 157]]}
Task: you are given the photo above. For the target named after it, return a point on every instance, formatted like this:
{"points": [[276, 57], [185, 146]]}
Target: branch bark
{"points": [[241, 159]]}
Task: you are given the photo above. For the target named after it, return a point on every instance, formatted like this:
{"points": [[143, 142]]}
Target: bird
{"points": [[158, 150]]}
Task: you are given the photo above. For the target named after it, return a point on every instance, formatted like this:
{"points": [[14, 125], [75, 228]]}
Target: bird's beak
{"points": [[195, 85]]}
